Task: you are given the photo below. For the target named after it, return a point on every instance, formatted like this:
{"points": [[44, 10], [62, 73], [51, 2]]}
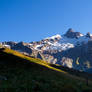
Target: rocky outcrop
{"points": [[10, 43], [88, 35], [71, 34], [67, 62], [39, 55], [22, 47]]}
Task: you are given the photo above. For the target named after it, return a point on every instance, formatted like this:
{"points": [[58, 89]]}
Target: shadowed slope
{"points": [[34, 75]]}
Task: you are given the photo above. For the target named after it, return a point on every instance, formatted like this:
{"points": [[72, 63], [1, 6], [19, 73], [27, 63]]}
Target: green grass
{"points": [[25, 74]]}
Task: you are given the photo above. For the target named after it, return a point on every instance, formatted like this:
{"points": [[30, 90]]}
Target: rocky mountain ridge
{"points": [[73, 49]]}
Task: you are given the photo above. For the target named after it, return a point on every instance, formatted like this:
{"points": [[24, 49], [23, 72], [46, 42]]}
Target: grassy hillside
{"points": [[20, 73]]}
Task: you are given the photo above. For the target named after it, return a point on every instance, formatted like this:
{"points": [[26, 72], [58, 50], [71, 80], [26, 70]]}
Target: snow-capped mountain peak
{"points": [[56, 49], [60, 42], [54, 37]]}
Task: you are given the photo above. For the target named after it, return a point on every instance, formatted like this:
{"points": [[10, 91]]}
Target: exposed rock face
{"points": [[71, 34], [90, 47], [22, 47], [11, 43], [50, 58], [88, 35], [67, 62], [39, 55]]}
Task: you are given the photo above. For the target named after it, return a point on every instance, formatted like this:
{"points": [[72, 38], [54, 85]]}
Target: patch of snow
{"points": [[81, 35], [30, 44], [53, 37], [90, 34], [64, 43], [8, 46], [38, 46], [74, 40]]}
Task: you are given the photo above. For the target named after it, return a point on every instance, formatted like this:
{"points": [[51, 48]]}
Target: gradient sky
{"points": [[32, 20]]}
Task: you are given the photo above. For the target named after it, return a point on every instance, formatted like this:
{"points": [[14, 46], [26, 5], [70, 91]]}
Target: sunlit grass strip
{"points": [[34, 60]]}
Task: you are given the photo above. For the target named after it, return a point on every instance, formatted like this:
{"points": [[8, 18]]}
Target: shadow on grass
{"points": [[73, 71]]}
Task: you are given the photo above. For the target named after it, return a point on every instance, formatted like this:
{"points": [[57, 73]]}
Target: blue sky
{"points": [[32, 20]]}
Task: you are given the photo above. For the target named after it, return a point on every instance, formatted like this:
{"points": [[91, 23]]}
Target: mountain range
{"points": [[72, 49]]}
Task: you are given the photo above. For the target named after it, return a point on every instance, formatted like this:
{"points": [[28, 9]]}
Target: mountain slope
{"points": [[66, 50], [23, 73]]}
